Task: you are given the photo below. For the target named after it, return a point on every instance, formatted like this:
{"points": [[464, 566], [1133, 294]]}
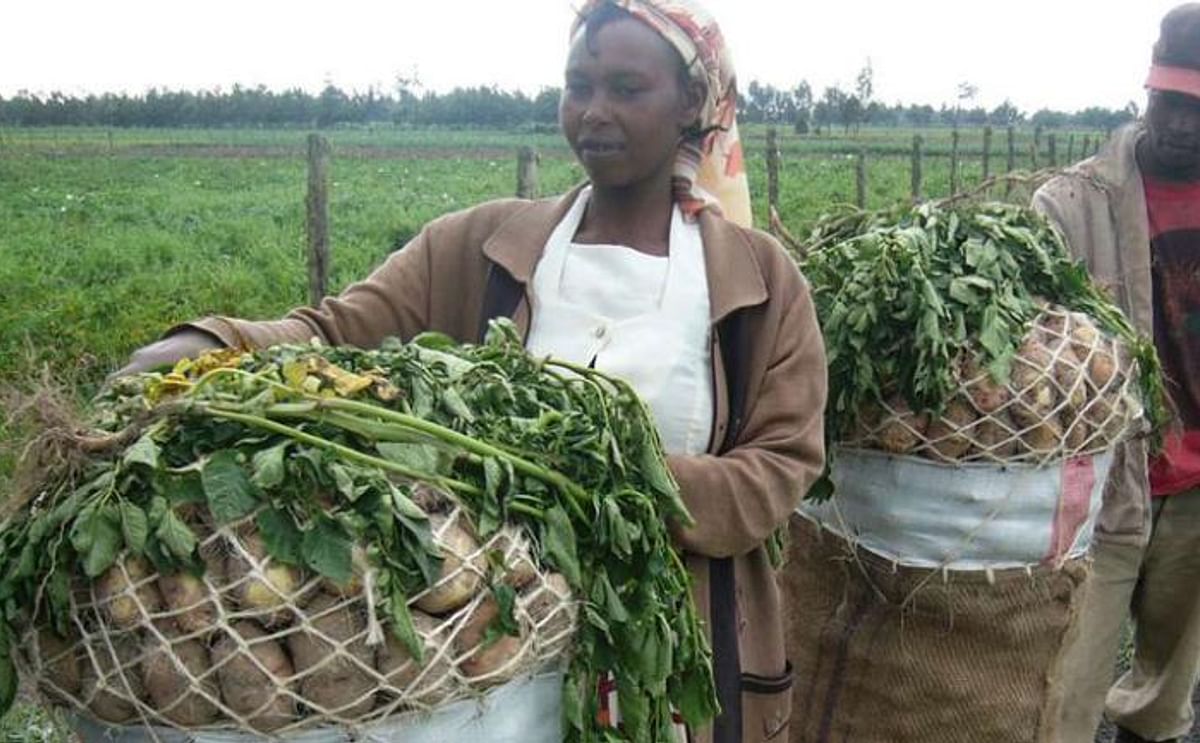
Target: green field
{"points": [[111, 237]]}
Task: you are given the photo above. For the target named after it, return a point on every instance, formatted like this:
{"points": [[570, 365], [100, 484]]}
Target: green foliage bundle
{"points": [[900, 294], [569, 454]]}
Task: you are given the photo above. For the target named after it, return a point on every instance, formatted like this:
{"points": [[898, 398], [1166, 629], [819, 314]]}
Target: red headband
{"points": [[1177, 79]]}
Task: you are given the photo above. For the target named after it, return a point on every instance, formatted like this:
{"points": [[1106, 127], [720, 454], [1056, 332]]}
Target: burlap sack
{"points": [[889, 654]]}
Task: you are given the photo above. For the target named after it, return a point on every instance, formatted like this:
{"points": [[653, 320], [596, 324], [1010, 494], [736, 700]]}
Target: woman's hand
{"points": [[186, 343]]}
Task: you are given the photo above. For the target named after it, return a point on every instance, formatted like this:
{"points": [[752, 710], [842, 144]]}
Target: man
{"points": [[1132, 213]]}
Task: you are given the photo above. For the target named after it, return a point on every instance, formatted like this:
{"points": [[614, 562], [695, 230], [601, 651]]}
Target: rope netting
{"points": [[255, 645], [1072, 391]]}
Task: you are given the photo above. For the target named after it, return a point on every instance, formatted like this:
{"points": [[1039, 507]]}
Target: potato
{"points": [[1067, 371], [946, 434], [1031, 374], [488, 664], [1053, 324], [191, 602], [985, 393], [1077, 436], [427, 684], [903, 431], [108, 688], [551, 610], [1102, 366], [257, 696], [117, 588], [58, 663], [1084, 335], [862, 433], [995, 438], [463, 564], [339, 686], [1108, 416], [354, 586], [171, 675], [519, 570], [1044, 438], [268, 586]]}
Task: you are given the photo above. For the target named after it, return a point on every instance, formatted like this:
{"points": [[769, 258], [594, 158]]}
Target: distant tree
{"points": [[864, 88], [1048, 119], [545, 105], [1006, 114], [977, 116], [883, 115], [966, 94], [802, 99], [407, 103], [850, 112], [332, 106], [922, 115], [767, 104], [828, 109]]}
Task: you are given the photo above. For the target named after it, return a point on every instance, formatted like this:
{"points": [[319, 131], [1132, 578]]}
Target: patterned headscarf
{"points": [[709, 172]]}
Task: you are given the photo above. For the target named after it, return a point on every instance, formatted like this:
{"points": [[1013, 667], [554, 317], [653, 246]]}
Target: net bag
{"points": [[1072, 391], [255, 645]]}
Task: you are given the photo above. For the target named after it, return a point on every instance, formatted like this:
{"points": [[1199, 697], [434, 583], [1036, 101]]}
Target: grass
{"points": [[29, 723], [104, 248]]}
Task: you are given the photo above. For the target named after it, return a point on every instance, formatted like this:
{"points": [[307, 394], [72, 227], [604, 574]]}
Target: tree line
{"points": [[489, 106]]}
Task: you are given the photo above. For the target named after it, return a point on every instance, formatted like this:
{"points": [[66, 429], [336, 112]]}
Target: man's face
{"points": [[1173, 129]]}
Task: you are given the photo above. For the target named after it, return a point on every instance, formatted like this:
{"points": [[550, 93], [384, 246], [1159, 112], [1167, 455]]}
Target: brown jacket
{"points": [[769, 383], [1099, 206]]}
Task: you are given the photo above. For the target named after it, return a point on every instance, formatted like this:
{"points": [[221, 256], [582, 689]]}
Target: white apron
{"points": [[662, 350]]}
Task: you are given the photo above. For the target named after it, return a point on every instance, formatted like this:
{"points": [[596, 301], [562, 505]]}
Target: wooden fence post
{"points": [[1070, 149], [916, 167], [954, 137], [1012, 159], [318, 218], [772, 169], [527, 173], [860, 179], [1052, 142], [1087, 145], [987, 152]]}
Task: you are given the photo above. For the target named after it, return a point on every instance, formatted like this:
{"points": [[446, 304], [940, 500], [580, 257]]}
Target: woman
{"points": [[639, 273]]}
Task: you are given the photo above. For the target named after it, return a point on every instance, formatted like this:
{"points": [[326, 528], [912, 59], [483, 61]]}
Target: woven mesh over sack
{"points": [[1072, 391], [255, 645]]}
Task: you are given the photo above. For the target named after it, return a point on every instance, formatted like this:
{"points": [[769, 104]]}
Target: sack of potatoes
{"points": [[253, 643], [309, 537], [1071, 390]]}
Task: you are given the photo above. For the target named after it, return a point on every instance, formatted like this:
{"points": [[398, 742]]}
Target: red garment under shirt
{"points": [[1174, 212]]}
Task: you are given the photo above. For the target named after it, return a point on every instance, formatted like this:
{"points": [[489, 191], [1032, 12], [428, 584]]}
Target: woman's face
{"points": [[624, 106]]}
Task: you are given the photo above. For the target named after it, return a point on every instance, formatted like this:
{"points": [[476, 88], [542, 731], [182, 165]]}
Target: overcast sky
{"points": [[1063, 54]]}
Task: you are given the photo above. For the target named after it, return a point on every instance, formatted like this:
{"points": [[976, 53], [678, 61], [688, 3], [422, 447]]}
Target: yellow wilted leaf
{"points": [[345, 383], [295, 373], [172, 383], [384, 390], [224, 358]]}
